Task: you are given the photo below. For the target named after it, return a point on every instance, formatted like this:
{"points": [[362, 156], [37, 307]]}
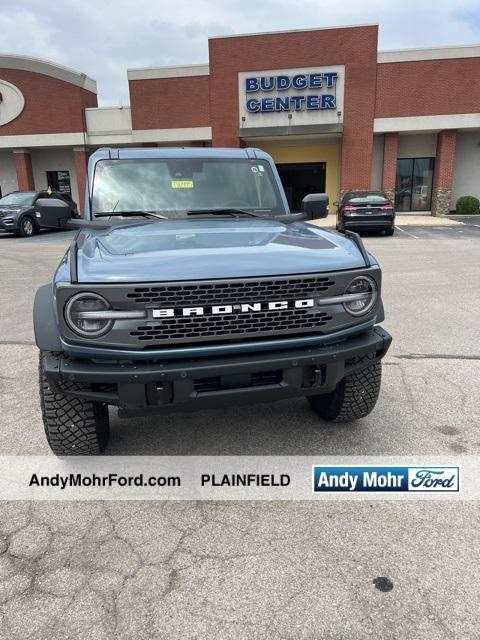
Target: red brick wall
{"points": [[356, 48], [164, 103], [23, 167], [389, 172], [51, 105], [445, 160], [428, 87]]}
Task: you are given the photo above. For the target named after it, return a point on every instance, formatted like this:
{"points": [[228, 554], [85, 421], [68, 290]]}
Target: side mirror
{"points": [[315, 205]]}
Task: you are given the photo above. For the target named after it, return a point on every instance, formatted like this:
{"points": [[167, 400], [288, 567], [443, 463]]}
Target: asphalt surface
{"points": [[261, 570]]}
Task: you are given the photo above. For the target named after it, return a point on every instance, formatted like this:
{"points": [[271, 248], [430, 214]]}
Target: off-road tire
{"points": [[354, 396], [73, 426], [28, 227], [390, 232]]}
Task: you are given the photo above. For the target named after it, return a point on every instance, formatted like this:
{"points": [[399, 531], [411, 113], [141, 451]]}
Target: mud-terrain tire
{"points": [[73, 426], [354, 396]]}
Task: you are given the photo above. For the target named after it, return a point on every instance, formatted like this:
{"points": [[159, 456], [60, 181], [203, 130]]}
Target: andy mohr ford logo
{"points": [[354, 478]]}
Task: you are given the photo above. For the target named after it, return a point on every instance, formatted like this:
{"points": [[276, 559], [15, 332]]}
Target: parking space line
{"points": [[408, 234]]}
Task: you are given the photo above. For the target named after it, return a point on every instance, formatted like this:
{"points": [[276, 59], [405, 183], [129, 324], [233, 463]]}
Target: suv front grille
{"points": [[239, 325], [209, 294], [232, 326], [250, 312]]}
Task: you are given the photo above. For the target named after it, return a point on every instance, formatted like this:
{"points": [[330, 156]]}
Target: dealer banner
{"points": [[239, 478]]}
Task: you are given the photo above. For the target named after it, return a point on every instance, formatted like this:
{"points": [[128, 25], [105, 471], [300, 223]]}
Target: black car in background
{"points": [[24, 213], [369, 210]]}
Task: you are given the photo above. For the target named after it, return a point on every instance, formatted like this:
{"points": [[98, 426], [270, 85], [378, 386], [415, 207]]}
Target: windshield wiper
{"points": [[221, 212], [145, 214]]}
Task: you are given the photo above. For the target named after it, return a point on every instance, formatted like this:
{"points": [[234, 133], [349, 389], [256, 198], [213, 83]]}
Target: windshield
{"points": [[19, 197], [174, 186]]}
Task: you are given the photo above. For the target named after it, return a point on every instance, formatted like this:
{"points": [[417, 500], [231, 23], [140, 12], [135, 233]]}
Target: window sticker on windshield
{"points": [[181, 184], [254, 169], [261, 168]]}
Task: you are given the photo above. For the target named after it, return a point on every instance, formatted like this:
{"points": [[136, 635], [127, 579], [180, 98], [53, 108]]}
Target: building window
{"points": [[413, 191], [59, 181]]}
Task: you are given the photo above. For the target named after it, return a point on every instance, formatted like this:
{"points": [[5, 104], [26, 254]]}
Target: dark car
{"points": [[24, 213], [369, 210]]}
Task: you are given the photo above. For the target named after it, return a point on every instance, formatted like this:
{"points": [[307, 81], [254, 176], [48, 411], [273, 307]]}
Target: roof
{"points": [[176, 152]]}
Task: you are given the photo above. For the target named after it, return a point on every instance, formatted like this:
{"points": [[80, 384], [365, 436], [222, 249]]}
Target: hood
{"points": [[208, 249]]}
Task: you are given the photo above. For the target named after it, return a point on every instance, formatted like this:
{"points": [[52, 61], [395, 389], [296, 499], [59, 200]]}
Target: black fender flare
{"points": [[381, 313], [44, 320]]}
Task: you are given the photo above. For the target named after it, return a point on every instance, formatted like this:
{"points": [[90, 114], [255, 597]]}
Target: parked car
{"points": [[370, 210], [24, 213], [191, 283]]}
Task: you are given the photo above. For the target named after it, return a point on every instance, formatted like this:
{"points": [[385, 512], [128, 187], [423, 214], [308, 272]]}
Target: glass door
{"points": [[403, 189], [414, 184], [300, 179]]}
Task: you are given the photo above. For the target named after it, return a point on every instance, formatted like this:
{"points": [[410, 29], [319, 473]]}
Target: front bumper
{"points": [[8, 225], [140, 388], [368, 222]]}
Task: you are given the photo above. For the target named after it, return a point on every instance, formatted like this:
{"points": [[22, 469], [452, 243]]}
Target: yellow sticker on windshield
{"points": [[182, 184]]}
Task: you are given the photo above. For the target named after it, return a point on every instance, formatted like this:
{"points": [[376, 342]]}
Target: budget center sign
{"points": [[281, 97]]}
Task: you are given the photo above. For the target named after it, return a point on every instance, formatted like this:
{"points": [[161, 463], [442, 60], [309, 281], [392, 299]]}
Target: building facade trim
{"points": [[427, 123], [47, 68], [178, 71], [437, 53], [186, 134], [288, 31], [42, 140], [252, 132]]}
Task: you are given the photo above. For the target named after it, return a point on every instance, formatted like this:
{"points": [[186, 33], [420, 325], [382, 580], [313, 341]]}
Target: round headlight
{"points": [[362, 292], [82, 313]]}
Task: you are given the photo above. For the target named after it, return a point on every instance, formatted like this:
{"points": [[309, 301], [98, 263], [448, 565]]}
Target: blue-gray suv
{"points": [[189, 281]]}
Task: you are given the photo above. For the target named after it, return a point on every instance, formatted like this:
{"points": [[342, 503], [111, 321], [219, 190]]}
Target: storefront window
{"points": [[414, 184], [59, 181]]}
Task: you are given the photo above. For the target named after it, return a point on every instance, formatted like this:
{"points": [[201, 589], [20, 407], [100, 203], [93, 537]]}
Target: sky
{"points": [[103, 38]]}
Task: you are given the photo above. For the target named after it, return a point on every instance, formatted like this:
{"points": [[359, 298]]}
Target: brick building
{"points": [[334, 112]]}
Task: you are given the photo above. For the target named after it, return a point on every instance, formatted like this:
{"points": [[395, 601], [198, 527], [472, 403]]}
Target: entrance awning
{"points": [[253, 132]]}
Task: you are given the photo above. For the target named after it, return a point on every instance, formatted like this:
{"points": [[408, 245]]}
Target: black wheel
{"points": [[354, 396], [28, 227], [73, 426], [390, 232]]}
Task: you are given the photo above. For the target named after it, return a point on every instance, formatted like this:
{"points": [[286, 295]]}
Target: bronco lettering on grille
{"points": [[277, 305]]}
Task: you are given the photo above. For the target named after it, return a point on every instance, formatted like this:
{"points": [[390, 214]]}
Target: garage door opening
{"points": [[301, 179]]}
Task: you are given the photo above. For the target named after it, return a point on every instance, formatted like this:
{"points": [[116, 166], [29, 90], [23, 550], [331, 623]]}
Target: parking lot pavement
{"points": [[260, 570]]}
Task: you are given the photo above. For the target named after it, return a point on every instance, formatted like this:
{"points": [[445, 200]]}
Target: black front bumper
{"points": [[368, 222], [141, 388]]}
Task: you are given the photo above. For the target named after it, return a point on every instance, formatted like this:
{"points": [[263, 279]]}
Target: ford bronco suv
{"points": [[190, 283]]}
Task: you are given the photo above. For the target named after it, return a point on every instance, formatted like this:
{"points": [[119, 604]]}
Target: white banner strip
{"points": [[239, 478]]}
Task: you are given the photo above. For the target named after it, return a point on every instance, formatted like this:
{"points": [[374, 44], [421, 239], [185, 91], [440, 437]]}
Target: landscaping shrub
{"points": [[467, 205]]}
